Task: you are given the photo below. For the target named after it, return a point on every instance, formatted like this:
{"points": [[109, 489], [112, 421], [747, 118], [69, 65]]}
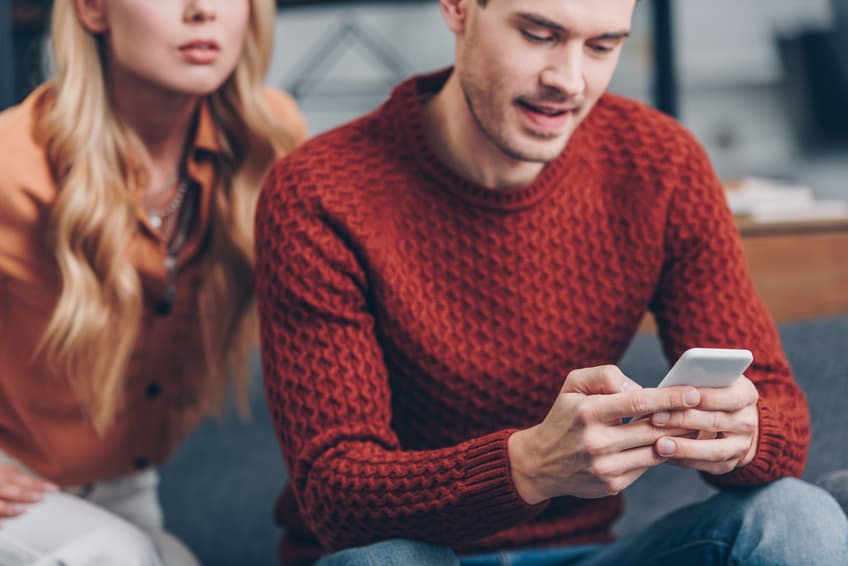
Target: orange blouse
{"points": [[42, 424]]}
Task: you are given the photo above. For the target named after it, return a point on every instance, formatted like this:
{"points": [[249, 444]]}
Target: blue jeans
{"points": [[787, 522]]}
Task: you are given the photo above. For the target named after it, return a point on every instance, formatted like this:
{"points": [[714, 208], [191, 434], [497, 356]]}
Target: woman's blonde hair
{"points": [[94, 327]]}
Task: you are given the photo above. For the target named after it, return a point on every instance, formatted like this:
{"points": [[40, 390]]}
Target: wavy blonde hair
{"points": [[93, 220]]}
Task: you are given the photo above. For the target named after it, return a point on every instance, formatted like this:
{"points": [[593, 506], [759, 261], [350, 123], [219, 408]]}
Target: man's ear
{"points": [[92, 15], [455, 13]]}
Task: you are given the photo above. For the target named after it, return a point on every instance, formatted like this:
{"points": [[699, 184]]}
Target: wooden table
{"points": [[800, 269]]}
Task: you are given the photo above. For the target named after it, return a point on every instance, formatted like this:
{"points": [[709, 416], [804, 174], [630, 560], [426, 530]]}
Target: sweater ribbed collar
{"points": [[405, 104]]}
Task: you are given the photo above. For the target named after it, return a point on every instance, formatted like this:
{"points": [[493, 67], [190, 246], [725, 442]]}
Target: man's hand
{"points": [[18, 490], [581, 449], [728, 423]]}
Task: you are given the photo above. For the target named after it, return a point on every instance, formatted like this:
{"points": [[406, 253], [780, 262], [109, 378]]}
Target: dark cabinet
{"points": [[23, 26]]}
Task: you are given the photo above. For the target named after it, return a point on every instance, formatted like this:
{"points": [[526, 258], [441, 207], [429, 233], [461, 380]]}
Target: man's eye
{"points": [[533, 38], [601, 49]]}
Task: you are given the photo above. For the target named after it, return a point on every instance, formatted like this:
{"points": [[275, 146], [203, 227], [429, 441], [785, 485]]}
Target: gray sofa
{"points": [[219, 490]]}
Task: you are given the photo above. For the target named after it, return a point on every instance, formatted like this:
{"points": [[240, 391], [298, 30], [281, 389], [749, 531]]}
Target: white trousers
{"points": [[115, 523]]}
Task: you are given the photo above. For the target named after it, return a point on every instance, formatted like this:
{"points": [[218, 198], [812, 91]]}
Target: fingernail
{"points": [[18, 508], [691, 398], [666, 446], [661, 418], [52, 488]]}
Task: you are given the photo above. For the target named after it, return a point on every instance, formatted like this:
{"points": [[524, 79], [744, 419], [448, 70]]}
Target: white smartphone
{"points": [[708, 367]]}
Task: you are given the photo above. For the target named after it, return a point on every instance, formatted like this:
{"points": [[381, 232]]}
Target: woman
{"points": [[126, 265]]}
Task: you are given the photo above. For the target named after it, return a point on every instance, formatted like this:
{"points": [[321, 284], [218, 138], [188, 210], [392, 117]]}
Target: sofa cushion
{"points": [[218, 492]]}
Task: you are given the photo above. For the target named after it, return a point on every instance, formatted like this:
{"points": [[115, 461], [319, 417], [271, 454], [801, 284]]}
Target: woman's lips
{"points": [[200, 52]]}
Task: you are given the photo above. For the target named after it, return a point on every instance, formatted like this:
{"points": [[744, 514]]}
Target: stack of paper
{"points": [[766, 200]]}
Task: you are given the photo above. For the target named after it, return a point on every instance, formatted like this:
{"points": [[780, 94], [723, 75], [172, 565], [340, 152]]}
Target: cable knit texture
{"points": [[412, 320]]}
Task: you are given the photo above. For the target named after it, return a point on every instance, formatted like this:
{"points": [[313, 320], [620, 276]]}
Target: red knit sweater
{"points": [[412, 320]]}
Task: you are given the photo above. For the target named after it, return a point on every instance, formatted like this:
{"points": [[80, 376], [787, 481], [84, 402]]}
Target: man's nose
{"points": [[565, 74]]}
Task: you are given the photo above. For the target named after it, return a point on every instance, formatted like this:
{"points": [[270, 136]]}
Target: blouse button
{"points": [[153, 390]]}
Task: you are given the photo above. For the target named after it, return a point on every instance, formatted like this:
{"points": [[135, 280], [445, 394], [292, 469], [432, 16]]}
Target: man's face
{"points": [[531, 70]]}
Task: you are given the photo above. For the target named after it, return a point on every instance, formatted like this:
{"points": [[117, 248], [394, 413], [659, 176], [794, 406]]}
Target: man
{"points": [[430, 273]]}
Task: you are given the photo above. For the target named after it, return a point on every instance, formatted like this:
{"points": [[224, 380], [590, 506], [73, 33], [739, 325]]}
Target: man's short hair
{"points": [[484, 2]]}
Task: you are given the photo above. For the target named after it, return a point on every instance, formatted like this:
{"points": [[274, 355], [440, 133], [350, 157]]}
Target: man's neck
{"points": [[458, 141]]}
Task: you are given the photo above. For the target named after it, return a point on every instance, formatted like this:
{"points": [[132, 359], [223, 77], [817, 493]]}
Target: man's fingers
{"points": [[741, 394], [623, 463], [729, 448], [617, 483], [612, 408], [600, 380], [639, 459], [742, 421], [633, 435]]}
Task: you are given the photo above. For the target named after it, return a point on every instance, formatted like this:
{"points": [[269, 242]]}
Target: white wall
{"points": [[732, 41], [417, 35], [730, 81], [413, 32], [729, 71]]}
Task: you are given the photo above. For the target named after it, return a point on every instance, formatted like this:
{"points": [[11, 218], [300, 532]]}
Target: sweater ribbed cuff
{"points": [[769, 462], [489, 490]]}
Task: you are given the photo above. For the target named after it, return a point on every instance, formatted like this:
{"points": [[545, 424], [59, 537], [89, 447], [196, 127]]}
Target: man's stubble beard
{"points": [[501, 139]]}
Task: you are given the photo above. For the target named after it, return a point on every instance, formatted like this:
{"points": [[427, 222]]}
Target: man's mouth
{"points": [[546, 109]]}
